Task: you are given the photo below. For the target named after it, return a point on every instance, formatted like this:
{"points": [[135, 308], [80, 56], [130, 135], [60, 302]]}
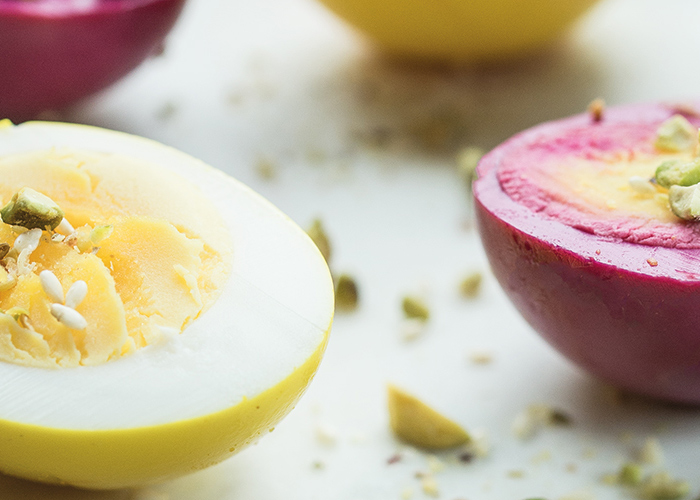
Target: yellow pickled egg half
{"points": [[170, 319]]}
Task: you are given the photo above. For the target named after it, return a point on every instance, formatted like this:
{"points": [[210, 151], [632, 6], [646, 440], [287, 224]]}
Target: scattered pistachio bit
{"points": [[101, 233], [685, 201], [51, 285], [415, 307], [411, 329], [20, 315], [630, 474], [596, 108], [318, 465], [4, 249], [435, 465], [419, 425], [467, 161], [651, 452], [470, 286], [65, 227], [430, 486], [534, 417], [481, 358], [661, 486], [326, 434], [346, 296], [320, 239], [678, 173], [76, 294], [516, 474], [266, 168], [31, 209], [675, 134], [642, 185], [69, 317]]}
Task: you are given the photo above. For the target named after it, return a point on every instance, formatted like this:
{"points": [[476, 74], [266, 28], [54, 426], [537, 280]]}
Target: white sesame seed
{"points": [[65, 227], [51, 285], [69, 317], [76, 294], [28, 241], [641, 185]]}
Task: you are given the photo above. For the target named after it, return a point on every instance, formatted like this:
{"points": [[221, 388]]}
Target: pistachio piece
{"points": [[346, 296], [630, 474], [320, 239], [677, 173], [31, 209], [470, 285], [4, 249], [661, 486], [101, 233], [675, 134], [20, 315], [685, 201], [415, 307], [419, 425], [467, 161]]}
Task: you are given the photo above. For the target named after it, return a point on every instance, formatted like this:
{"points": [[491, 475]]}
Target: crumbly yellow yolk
{"points": [[162, 265], [605, 185]]}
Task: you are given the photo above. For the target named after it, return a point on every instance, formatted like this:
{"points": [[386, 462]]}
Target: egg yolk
{"points": [[151, 249]]}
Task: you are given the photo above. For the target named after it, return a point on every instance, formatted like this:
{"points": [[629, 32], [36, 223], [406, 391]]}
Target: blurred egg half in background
{"points": [[461, 31], [55, 52]]}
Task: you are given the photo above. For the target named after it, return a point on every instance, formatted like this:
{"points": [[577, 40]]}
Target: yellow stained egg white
{"points": [[170, 319]]}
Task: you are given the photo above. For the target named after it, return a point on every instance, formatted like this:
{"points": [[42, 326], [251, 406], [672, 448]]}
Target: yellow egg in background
{"points": [[460, 31]]}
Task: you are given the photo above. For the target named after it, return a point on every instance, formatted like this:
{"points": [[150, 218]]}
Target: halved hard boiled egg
{"points": [[171, 318]]}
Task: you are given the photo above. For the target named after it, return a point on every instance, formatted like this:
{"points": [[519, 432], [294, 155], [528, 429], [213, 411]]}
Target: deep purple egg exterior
{"points": [[52, 59], [628, 313]]}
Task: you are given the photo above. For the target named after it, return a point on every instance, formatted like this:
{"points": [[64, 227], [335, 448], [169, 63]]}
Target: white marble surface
{"points": [[285, 82]]}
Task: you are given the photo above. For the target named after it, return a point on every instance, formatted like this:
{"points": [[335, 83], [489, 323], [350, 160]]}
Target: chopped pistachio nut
{"points": [[685, 201], [675, 134], [661, 486], [414, 307], [651, 452], [31, 209], [19, 314], [419, 425], [630, 474], [596, 108], [470, 286], [320, 239], [529, 421], [101, 233], [4, 249], [430, 486], [346, 295], [467, 161], [678, 173]]}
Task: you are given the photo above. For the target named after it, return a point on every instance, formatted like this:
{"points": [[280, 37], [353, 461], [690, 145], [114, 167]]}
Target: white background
{"points": [[285, 82]]}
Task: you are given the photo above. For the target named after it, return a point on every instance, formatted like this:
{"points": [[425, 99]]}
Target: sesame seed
{"points": [[69, 317], [51, 285], [76, 294]]}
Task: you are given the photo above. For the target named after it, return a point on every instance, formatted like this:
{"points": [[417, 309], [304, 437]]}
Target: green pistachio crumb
{"points": [[101, 233], [346, 296], [675, 134], [318, 235], [630, 474], [19, 314], [559, 417], [678, 173], [470, 286], [414, 307], [31, 209], [661, 486], [685, 201], [467, 160], [4, 249]]}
